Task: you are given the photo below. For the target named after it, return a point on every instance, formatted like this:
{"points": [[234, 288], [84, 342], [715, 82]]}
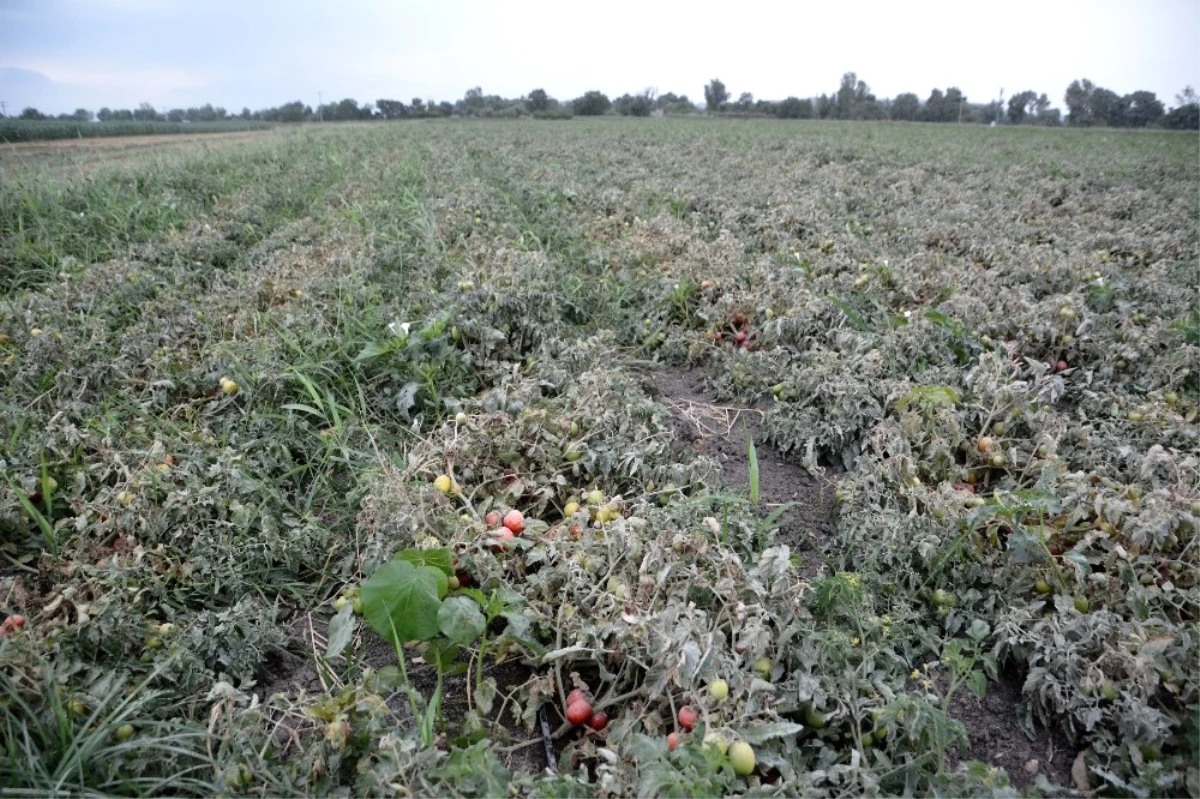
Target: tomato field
{"points": [[611, 457]]}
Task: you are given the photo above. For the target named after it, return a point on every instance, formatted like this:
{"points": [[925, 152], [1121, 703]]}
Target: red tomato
{"points": [[687, 718], [575, 696], [672, 741], [579, 712], [18, 621], [464, 579], [598, 721], [515, 520], [492, 520]]}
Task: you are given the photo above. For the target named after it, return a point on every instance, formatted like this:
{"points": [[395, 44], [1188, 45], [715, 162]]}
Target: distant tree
{"points": [[592, 104], [1108, 108], [104, 114], [445, 108], [769, 108], [825, 106], [935, 107], [122, 115], [1186, 113], [346, 109], [794, 108], [246, 113], [635, 105], [906, 107], [176, 115], [1020, 105], [538, 100], [956, 103], [31, 113], [845, 96], [82, 115], [391, 109], [294, 111], [1144, 109], [745, 102], [146, 113], [715, 95], [1078, 100], [473, 100]]}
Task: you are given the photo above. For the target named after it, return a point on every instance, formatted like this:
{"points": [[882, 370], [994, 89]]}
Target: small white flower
{"points": [[399, 329]]}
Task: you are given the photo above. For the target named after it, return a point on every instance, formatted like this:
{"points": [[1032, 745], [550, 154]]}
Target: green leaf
{"points": [[460, 620], [440, 559], [767, 731], [371, 351], [402, 600], [485, 695], [977, 682], [341, 630]]}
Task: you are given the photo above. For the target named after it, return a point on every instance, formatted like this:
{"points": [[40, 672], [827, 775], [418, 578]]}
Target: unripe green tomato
{"points": [[741, 756], [718, 690], [763, 667]]}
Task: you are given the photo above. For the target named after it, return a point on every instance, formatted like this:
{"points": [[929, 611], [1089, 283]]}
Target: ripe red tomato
{"points": [[1061, 366], [687, 718], [575, 696], [464, 579], [18, 621], [492, 520], [579, 712], [598, 721], [672, 741], [515, 520]]}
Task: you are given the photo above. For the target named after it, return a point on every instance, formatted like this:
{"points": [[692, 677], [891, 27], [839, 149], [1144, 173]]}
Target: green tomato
{"points": [[718, 690], [763, 667], [741, 755], [1042, 587], [1082, 604], [124, 732]]}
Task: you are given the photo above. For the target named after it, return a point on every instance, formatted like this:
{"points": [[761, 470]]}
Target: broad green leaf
{"points": [[341, 630], [460, 620], [400, 601], [437, 558]]}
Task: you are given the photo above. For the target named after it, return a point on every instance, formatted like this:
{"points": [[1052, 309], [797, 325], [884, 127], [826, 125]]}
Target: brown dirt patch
{"points": [[110, 143], [997, 738], [719, 431], [294, 670]]}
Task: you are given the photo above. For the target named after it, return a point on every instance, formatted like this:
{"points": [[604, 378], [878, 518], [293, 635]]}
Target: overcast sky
{"points": [[62, 54]]}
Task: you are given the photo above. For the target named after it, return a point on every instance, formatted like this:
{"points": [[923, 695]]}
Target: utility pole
{"points": [[1000, 108], [3, 109], [320, 108], [961, 98]]}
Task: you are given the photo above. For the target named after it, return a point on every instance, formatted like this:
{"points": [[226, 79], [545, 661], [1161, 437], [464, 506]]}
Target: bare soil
{"points": [[719, 431], [997, 738], [109, 144]]}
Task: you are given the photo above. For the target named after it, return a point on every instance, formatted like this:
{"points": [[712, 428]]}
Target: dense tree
{"points": [[31, 113], [715, 95], [935, 107], [473, 100], [1108, 108], [176, 115], [794, 108], [445, 108], [1144, 108], [825, 106], [391, 109], [1078, 100], [956, 103], [745, 102], [82, 115], [347, 109], [592, 104], [146, 113], [906, 107], [538, 100], [635, 105], [1020, 105]]}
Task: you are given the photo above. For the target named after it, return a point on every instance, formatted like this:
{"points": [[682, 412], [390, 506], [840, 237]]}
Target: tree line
{"points": [[1086, 105]]}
